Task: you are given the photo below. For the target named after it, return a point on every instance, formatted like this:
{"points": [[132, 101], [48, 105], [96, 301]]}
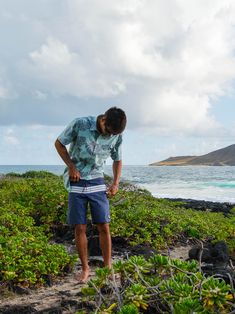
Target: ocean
{"points": [[215, 184]]}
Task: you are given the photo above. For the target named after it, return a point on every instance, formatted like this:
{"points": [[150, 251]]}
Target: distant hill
{"points": [[221, 157]]}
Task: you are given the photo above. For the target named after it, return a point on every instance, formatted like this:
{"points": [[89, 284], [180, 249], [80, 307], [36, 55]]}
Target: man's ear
{"points": [[103, 119]]}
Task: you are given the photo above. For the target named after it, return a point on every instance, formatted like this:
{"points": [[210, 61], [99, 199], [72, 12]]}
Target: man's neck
{"points": [[98, 123]]}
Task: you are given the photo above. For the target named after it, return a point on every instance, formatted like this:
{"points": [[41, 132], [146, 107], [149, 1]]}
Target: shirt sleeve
{"points": [[69, 133], [116, 151]]}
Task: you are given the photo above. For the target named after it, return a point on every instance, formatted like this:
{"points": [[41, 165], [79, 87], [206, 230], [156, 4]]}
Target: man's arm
{"points": [[117, 170], [74, 174]]}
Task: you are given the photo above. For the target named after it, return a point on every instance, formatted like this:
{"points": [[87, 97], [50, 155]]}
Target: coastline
{"points": [[208, 206], [212, 184], [198, 204]]}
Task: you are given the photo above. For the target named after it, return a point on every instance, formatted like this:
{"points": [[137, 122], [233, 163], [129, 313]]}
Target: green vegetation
{"points": [[141, 218], [32, 174], [28, 210], [32, 204], [157, 285]]}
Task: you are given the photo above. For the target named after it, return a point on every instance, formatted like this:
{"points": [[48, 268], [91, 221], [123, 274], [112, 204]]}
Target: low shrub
{"points": [[141, 218], [158, 285], [28, 209]]}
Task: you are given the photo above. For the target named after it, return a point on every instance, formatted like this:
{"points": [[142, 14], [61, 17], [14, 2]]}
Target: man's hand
{"points": [[74, 174], [112, 190]]}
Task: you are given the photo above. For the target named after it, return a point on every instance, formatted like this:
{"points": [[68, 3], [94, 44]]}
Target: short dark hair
{"points": [[116, 119]]}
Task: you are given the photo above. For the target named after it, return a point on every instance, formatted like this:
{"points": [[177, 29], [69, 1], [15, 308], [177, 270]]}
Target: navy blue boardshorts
{"points": [[84, 192]]}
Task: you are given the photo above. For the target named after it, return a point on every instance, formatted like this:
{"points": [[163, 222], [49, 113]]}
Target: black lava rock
{"points": [[216, 254]]}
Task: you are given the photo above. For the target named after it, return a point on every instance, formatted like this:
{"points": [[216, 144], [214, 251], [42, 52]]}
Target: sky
{"points": [[170, 64]]}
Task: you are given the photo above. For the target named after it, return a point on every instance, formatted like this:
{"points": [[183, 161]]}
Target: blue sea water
{"points": [[198, 182]]}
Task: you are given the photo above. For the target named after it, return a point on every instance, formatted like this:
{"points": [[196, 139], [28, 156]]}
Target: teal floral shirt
{"points": [[89, 149]]}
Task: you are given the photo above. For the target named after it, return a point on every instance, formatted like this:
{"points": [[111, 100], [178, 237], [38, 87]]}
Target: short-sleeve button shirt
{"points": [[89, 149]]}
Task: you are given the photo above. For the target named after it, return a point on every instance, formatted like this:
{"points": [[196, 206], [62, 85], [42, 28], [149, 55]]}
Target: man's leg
{"points": [[81, 244], [105, 243], [100, 213]]}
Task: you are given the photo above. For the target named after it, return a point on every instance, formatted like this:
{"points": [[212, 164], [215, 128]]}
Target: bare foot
{"points": [[83, 276]]}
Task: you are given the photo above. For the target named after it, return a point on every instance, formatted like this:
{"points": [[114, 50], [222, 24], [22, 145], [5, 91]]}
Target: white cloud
{"points": [[167, 61], [29, 145], [65, 72], [181, 110], [10, 138], [52, 54]]}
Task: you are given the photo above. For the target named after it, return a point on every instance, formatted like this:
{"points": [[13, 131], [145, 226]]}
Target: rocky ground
{"points": [[205, 205]]}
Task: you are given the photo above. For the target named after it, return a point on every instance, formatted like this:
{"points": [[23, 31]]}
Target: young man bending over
{"points": [[92, 140]]}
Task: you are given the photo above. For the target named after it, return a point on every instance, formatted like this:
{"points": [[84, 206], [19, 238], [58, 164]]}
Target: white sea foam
{"points": [[213, 194], [199, 182]]}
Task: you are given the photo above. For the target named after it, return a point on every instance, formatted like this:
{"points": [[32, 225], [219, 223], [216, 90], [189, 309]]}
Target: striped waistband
{"points": [[87, 189]]}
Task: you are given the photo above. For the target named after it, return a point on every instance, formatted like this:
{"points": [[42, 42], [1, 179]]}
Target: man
{"points": [[92, 140]]}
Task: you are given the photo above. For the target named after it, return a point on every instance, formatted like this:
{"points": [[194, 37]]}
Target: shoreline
{"points": [[190, 203], [203, 205], [199, 204]]}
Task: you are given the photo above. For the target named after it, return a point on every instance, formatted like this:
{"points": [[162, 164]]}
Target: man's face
{"points": [[106, 129]]}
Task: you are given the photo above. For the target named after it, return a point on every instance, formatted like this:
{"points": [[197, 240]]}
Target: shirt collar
{"points": [[93, 126]]}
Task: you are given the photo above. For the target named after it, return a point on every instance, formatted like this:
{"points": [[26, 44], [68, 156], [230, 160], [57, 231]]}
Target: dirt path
{"points": [[64, 297]]}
